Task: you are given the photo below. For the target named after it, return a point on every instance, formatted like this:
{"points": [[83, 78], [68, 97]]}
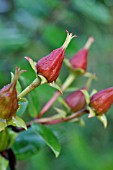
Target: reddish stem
{"points": [[48, 104], [66, 119], [42, 121]]}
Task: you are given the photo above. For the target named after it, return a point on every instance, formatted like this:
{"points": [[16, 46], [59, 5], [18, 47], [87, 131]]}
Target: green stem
{"points": [[90, 79], [66, 84], [29, 88]]}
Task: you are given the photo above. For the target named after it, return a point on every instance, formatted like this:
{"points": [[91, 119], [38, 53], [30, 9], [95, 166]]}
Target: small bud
{"points": [[50, 65], [8, 98], [102, 101], [79, 61], [76, 101]]}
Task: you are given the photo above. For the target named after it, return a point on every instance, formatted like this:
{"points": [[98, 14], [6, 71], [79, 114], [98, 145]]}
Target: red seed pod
{"points": [[79, 61], [76, 101], [102, 100], [50, 65], [8, 98]]}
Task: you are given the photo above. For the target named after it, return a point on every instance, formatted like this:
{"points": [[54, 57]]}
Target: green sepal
{"points": [[32, 63], [56, 86], [61, 113], [93, 92], [3, 163], [62, 101], [43, 79], [17, 121], [23, 103], [3, 124], [18, 86], [75, 71], [79, 121], [88, 74], [86, 95], [79, 71], [103, 119], [92, 113]]}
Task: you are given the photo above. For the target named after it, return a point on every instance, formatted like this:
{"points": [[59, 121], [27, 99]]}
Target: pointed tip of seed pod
{"points": [[89, 42], [71, 34], [69, 37], [18, 72]]}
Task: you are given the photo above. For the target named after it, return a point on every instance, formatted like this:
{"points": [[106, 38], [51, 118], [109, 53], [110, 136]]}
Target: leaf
{"points": [[3, 124], [95, 10], [86, 95], [103, 119], [4, 138], [18, 86], [27, 144], [12, 138], [22, 106], [7, 138], [3, 163], [34, 103], [56, 86], [17, 121], [49, 138], [32, 63]]}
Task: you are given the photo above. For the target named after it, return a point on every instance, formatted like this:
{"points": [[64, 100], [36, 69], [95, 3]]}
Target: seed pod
{"points": [[102, 100], [76, 101], [79, 60], [8, 98], [50, 65]]}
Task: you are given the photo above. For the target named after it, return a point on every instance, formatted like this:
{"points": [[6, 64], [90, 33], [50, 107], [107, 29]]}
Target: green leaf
{"points": [[17, 121], [93, 10], [27, 144], [4, 138], [3, 124], [3, 163], [18, 86], [32, 63], [22, 107], [7, 138], [86, 95], [34, 103], [56, 86], [12, 138], [49, 138], [103, 119]]}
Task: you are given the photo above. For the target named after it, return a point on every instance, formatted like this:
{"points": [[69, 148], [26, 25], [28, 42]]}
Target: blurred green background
{"points": [[34, 28]]}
